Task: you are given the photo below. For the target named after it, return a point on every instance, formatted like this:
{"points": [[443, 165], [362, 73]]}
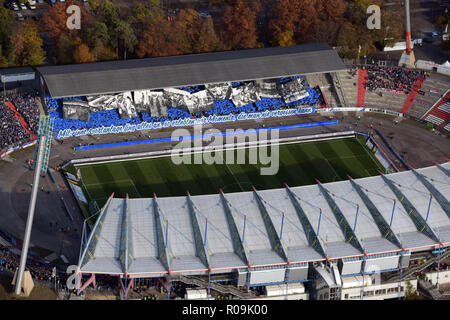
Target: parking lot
{"points": [[33, 8]]}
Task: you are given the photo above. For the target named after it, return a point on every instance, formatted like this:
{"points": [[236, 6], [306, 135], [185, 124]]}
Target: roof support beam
{"points": [[443, 202], [419, 222], [200, 245], [89, 251], [164, 253], [238, 243], [346, 229], [444, 170], [381, 223], [311, 235], [275, 240], [126, 246], [123, 250]]}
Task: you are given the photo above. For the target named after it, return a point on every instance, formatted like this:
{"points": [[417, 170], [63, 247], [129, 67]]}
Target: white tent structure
{"points": [[269, 236], [444, 68]]}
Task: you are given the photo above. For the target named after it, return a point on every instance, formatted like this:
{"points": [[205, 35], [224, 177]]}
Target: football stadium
{"points": [[358, 206]]}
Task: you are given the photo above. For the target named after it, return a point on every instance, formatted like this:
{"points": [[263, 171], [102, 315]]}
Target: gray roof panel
{"points": [[184, 70], [219, 240]]}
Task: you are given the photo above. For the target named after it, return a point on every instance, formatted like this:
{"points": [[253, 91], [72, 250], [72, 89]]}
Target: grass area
{"points": [[300, 164]]}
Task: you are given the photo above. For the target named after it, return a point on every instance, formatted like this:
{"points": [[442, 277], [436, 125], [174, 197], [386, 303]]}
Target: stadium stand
{"points": [[362, 79], [434, 87], [221, 107], [27, 107], [440, 113], [391, 88], [412, 95], [12, 132]]}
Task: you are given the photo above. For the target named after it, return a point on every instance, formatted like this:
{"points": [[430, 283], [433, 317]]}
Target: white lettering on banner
{"points": [[67, 133]]}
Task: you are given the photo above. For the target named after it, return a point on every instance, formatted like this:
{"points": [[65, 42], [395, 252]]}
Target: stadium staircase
{"points": [[336, 80], [412, 95], [324, 82], [362, 78], [214, 286], [430, 289], [22, 121], [408, 273], [349, 88]]}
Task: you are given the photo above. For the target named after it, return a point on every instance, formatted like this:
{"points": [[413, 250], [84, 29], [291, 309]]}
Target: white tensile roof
{"points": [[281, 226]]}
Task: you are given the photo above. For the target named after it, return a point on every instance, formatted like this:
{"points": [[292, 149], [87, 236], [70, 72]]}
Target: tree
{"points": [[54, 22], [187, 26], [150, 13], [332, 10], [411, 293], [292, 21], [158, 41], [97, 38], [237, 28], [307, 19], [65, 48], [82, 54], [28, 45], [7, 24], [207, 41], [282, 25], [126, 35]]}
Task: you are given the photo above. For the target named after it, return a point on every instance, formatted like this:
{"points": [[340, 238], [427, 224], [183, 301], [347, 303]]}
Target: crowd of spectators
{"points": [[400, 80], [43, 273], [38, 270], [11, 131], [27, 107]]}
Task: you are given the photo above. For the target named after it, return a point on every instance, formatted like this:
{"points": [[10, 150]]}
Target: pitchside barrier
{"points": [[391, 148], [381, 155], [376, 110], [167, 152], [193, 137], [11, 150]]}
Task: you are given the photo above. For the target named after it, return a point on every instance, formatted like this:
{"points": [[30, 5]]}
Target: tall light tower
{"points": [[407, 59], [42, 153]]}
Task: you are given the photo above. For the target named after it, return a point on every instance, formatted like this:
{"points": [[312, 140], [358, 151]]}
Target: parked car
{"points": [[14, 6], [20, 16], [32, 4], [22, 6]]}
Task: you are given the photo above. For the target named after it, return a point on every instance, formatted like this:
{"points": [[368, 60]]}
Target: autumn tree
{"points": [[125, 35], [237, 28], [158, 41], [207, 41], [65, 48], [6, 42], [82, 54], [28, 45]]}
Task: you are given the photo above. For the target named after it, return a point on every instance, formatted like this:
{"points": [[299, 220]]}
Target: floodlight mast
{"points": [[407, 27], [26, 239]]}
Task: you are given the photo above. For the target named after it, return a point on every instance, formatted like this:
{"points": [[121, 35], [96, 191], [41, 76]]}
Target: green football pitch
{"points": [[300, 164]]}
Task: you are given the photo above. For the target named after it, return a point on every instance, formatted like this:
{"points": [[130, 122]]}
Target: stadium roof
{"points": [[185, 70], [229, 231]]}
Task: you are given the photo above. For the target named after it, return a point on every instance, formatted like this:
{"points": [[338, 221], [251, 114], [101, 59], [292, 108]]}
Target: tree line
{"points": [[110, 33]]}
